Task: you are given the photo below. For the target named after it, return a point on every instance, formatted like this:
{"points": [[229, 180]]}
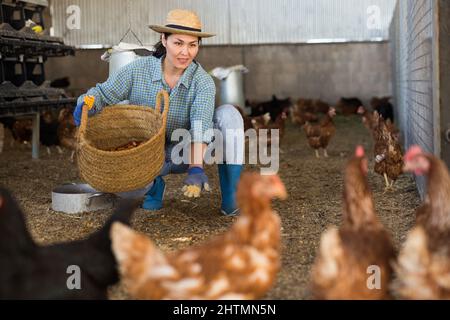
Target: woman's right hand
{"points": [[77, 113], [87, 100], [195, 183]]}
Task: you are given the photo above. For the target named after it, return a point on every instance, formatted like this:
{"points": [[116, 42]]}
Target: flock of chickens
{"points": [[315, 117], [421, 270], [387, 149], [240, 264], [53, 131], [243, 262]]}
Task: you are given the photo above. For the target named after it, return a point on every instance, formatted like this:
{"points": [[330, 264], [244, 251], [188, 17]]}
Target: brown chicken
{"points": [[240, 264], [359, 249], [423, 266], [22, 130], [367, 118], [387, 151], [303, 111], [305, 105], [319, 135], [300, 118], [248, 121], [320, 106], [67, 131], [348, 106], [279, 125]]}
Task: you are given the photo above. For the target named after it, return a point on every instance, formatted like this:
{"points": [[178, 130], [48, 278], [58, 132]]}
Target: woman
{"points": [[192, 95]]}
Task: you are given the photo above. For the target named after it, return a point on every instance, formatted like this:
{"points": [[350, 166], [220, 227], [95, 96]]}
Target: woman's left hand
{"points": [[195, 183]]}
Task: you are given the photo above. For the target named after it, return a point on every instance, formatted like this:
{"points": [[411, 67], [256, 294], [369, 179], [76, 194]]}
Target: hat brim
{"points": [[164, 29]]}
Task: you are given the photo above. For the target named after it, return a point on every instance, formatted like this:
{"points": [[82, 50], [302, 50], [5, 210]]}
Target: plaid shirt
{"points": [[191, 100]]}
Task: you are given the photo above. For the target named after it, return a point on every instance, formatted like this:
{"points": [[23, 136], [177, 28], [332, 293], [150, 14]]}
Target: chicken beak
{"points": [[279, 191]]}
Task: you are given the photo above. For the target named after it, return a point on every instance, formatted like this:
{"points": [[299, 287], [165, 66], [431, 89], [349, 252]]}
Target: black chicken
{"points": [[48, 131], [60, 83], [29, 271], [383, 107]]}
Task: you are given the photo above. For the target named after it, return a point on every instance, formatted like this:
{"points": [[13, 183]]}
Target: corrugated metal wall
{"points": [[413, 41], [294, 21], [103, 23], [237, 22]]}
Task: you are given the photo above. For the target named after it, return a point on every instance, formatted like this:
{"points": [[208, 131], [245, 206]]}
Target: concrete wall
{"points": [[326, 71], [84, 70]]}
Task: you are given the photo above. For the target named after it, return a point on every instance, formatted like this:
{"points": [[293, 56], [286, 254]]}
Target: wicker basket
{"points": [[115, 126]]}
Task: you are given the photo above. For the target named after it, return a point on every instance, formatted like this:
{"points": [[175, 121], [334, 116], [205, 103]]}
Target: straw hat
{"points": [[182, 22]]}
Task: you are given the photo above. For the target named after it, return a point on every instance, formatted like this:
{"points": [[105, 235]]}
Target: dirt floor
{"points": [[314, 187]]}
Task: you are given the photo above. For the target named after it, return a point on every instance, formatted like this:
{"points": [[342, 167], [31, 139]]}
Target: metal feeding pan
{"points": [[77, 198]]}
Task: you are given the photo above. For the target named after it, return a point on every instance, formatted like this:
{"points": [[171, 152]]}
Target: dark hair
{"points": [[160, 50]]}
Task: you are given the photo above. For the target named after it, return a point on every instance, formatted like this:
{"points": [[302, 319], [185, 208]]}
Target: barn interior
{"points": [[301, 58]]}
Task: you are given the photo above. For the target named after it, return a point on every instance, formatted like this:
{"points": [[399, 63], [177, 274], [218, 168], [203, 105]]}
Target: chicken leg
{"points": [[72, 156], [317, 153], [387, 183], [325, 153], [392, 185]]}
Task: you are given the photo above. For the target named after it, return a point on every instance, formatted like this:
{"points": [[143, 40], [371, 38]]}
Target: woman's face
{"points": [[181, 49]]}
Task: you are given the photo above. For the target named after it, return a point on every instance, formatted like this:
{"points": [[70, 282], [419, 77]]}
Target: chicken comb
{"points": [[412, 152], [359, 151]]}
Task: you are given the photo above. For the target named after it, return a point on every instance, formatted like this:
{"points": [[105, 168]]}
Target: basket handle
{"points": [[163, 95], [88, 103]]}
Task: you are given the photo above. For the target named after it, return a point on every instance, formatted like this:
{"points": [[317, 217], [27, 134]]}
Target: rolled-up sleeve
{"points": [[114, 90], [202, 110]]}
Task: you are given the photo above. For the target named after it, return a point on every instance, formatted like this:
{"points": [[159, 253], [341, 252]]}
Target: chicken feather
{"points": [[346, 255], [240, 264], [423, 266]]}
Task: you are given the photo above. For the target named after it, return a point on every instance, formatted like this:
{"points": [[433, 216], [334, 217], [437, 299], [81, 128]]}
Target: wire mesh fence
{"points": [[413, 40]]}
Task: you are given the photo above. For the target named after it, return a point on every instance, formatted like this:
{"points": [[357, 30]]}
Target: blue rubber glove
{"points": [[195, 183], [78, 111]]}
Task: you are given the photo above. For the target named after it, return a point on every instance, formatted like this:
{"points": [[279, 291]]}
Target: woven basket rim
{"points": [[129, 106], [88, 145]]}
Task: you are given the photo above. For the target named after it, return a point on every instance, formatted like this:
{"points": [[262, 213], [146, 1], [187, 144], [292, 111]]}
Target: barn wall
{"points": [[326, 71], [236, 22], [415, 65]]}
